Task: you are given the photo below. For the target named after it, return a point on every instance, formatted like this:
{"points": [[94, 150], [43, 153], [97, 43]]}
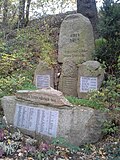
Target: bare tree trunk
{"points": [[5, 12], [27, 11], [0, 6], [21, 17], [88, 9]]}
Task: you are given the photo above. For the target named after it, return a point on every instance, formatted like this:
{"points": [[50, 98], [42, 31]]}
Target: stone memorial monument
{"points": [[44, 76], [46, 113], [90, 77], [76, 44], [76, 39]]}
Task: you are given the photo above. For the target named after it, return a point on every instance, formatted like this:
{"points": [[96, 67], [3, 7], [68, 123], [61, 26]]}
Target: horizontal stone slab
{"points": [[50, 97], [77, 124]]}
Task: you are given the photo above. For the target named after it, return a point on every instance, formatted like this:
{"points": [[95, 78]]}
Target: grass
{"points": [[85, 102]]}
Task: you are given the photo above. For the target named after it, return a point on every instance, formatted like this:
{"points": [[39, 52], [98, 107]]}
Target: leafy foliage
{"points": [[109, 128], [63, 142], [19, 57], [109, 95], [109, 50]]}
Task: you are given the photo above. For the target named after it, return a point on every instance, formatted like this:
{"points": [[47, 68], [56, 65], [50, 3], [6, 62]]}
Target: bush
{"points": [[109, 94], [109, 128], [11, 84], [108, 50], [19, 57]]}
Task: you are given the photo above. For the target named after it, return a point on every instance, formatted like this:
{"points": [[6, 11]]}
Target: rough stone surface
{"points": [[44, 69], [68, 85], [76, 39], [90, 69], [68, 78], [8, 104], [78, 125], [69, 68], [50, 97]]}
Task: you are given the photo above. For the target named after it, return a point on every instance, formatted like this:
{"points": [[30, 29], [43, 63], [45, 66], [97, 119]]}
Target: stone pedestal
{"points": [[77, 124]]}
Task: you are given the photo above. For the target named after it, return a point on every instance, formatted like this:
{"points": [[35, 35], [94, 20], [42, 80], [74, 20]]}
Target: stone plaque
{"points": [[69, 86], [43, 81], [88, 83], [47, 122], [36, 119], [25, 117]]}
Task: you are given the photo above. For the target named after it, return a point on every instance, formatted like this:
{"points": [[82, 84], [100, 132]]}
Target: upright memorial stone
{"points": [[76, 39], [68, 79], [76, 44], [90, 77], [44, 76]]}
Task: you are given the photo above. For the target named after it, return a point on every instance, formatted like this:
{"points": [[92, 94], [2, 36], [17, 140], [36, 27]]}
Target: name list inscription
{"points": [[88, 83], [43, 81], [36, 119]]}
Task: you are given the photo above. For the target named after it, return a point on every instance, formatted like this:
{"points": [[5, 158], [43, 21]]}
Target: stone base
{"points": [[77, 124]]}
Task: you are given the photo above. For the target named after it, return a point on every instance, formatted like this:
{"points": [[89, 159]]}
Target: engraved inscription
{"points": [[88, 83], [37, 97], [43, 81], [36, 119], [74, 37], [69, 85]]}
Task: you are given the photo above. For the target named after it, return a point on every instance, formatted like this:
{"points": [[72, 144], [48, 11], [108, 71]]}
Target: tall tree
{"points": [[0, 6], [89, 10], [109, 30], [21, 16], [5, 13], [109, 25], [27, 11]]}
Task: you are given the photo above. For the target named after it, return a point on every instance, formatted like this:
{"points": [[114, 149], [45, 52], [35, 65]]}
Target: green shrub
{"points": [[109, 128], [19, 58], [10, 85], [85, 102], [109, 95], [108, 46], [60, 141]]}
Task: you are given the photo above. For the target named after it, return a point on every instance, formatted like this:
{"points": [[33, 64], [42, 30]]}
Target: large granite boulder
{"points": [[77, 124], [76, 39]]}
